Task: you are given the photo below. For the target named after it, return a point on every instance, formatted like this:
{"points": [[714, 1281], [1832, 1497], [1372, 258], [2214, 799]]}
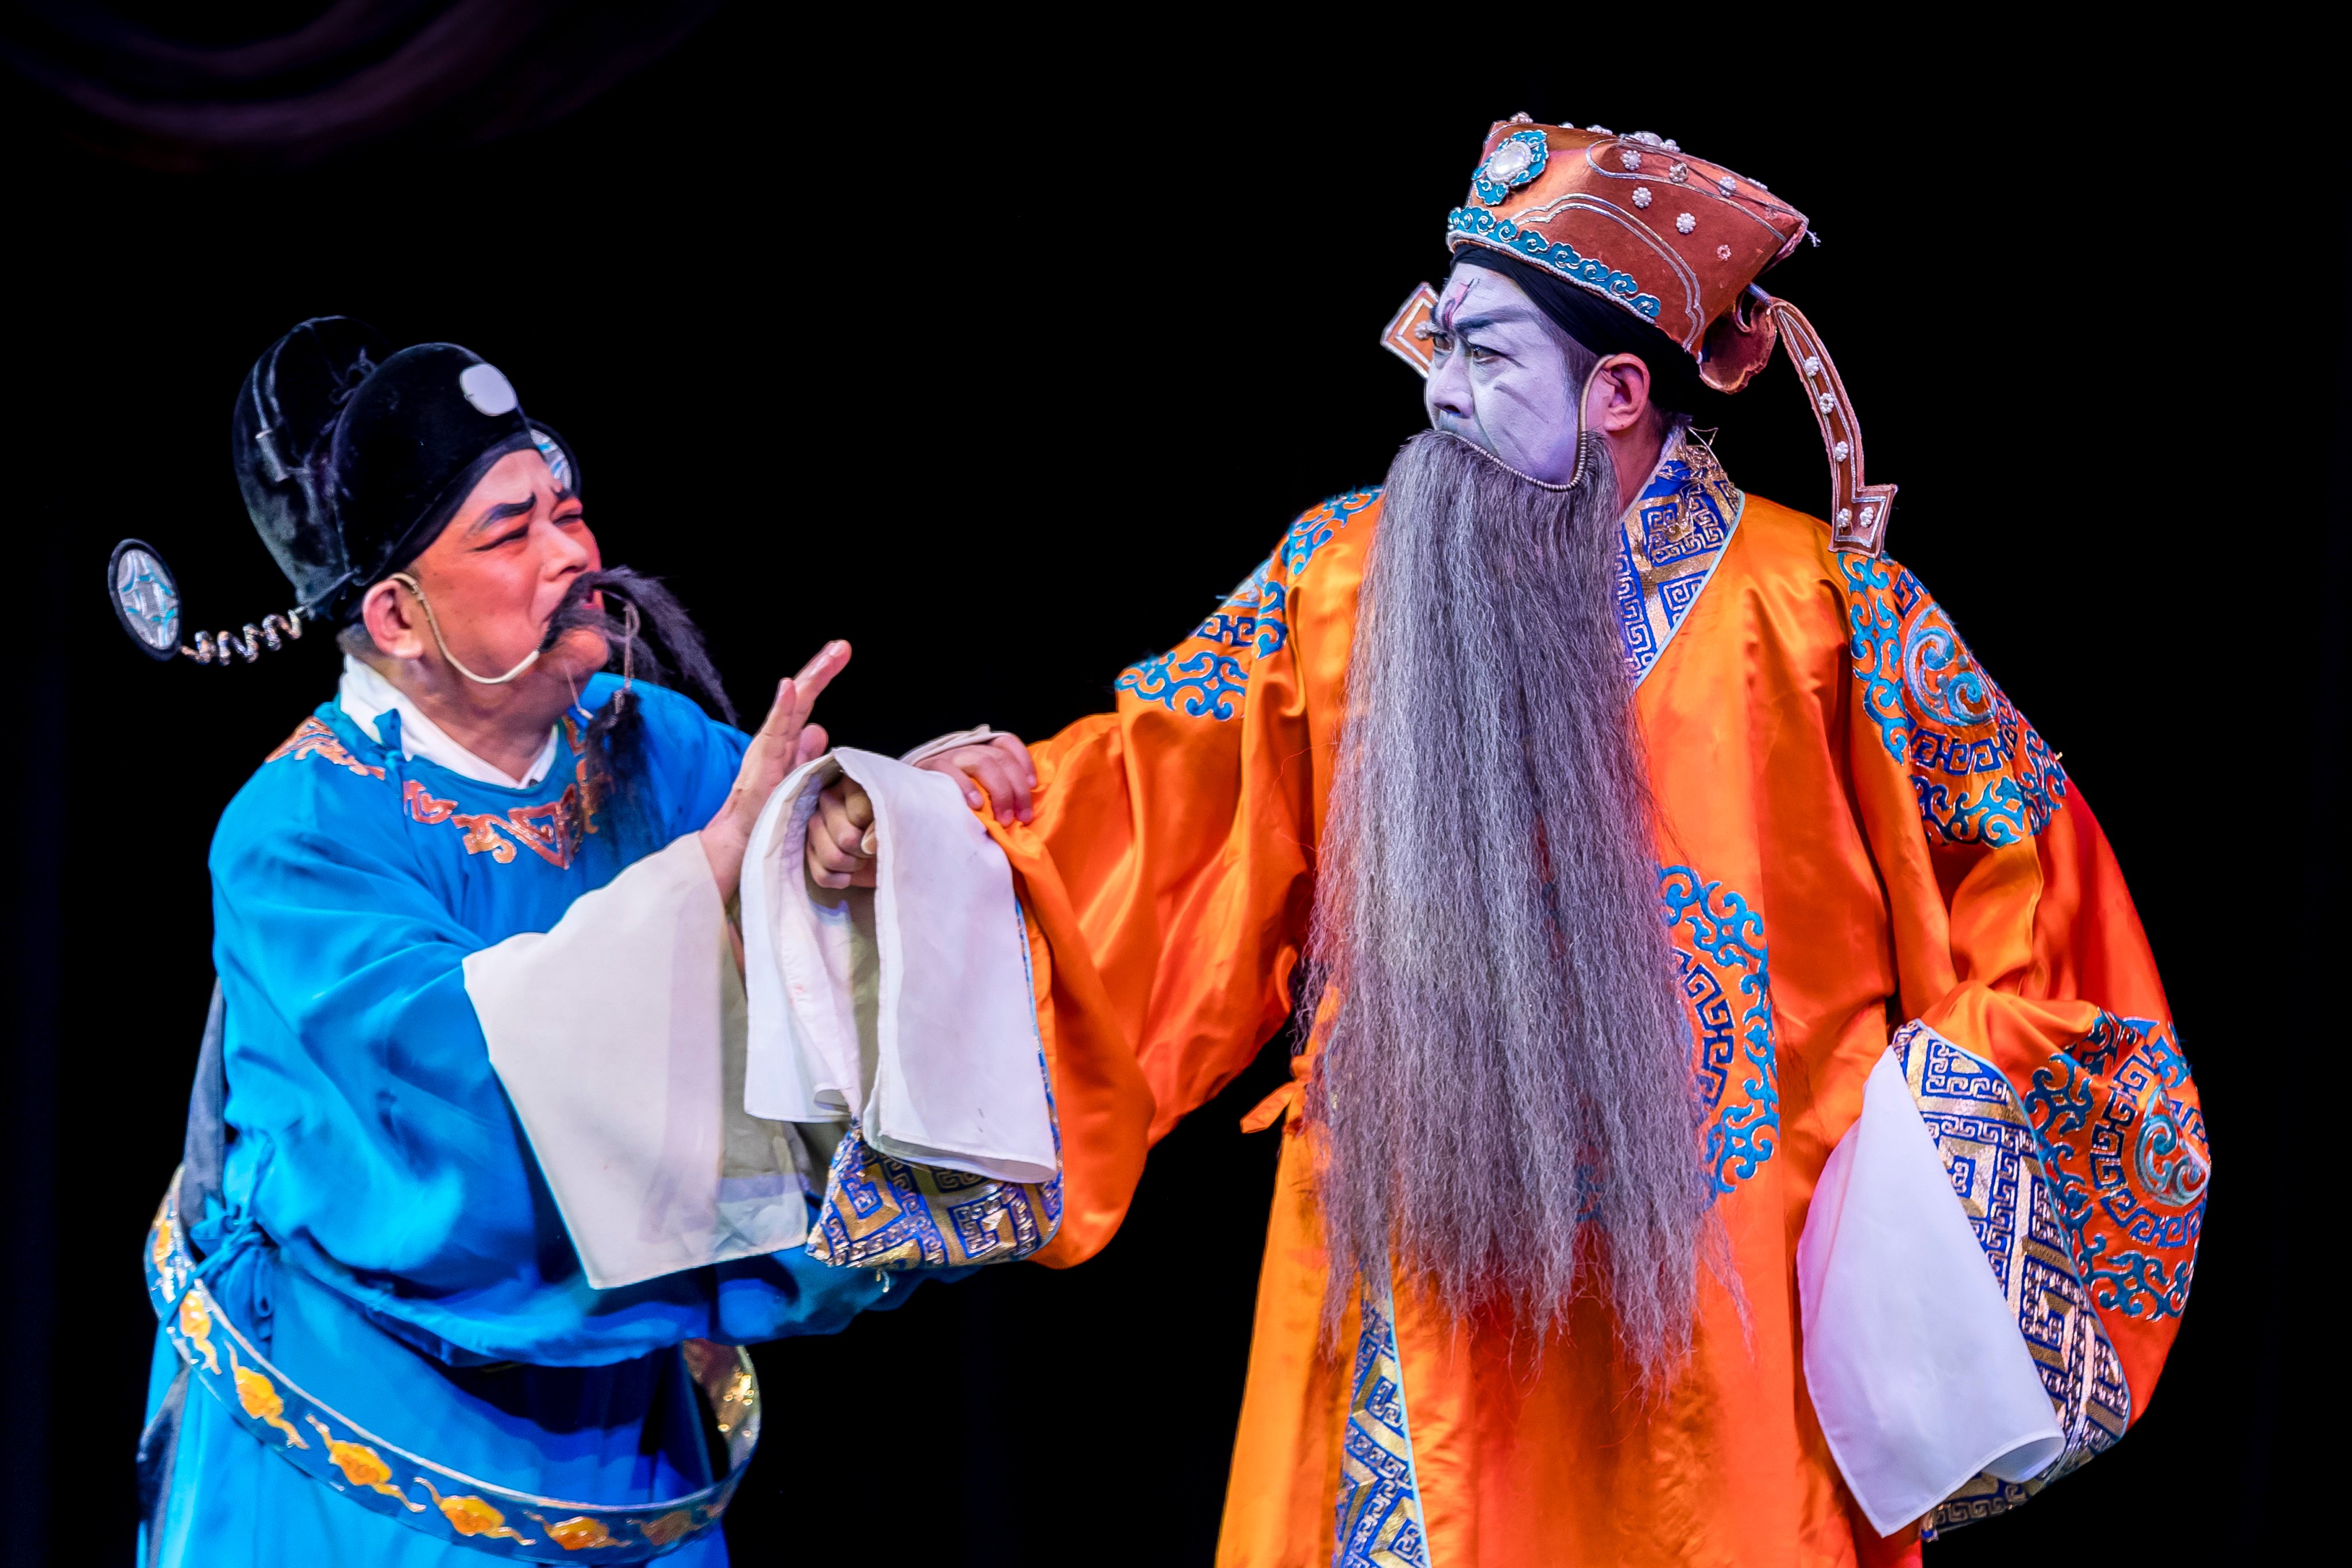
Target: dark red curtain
{"points": [[283, 85]]}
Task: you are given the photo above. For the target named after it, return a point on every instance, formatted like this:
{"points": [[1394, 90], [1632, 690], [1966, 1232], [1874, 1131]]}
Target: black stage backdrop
{"points": [[1004, 365]]}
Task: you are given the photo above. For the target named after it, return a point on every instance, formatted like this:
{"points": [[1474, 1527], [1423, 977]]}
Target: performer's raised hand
{"points": [[785, 741]]}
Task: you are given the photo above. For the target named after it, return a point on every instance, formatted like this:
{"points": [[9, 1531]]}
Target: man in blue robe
{"points": [[470, 1192]]}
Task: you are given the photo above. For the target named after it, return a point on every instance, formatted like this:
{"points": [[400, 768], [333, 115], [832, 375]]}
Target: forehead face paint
{"points": [[1505, 377]]}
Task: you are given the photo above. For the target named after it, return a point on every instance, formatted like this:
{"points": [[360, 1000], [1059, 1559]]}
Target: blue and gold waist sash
{"points": [[446, 1504]]}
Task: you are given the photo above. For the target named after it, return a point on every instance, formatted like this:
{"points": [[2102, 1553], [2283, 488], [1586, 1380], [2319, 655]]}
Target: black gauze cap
{"points": [[411, 443], [282, 438]]}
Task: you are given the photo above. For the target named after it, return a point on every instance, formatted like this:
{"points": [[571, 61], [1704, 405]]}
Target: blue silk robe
{"points": [[384, 1234]]}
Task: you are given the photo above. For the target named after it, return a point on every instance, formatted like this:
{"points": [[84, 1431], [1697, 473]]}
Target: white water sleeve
{"points": [[620, 1037], [907, 1006], [1915, 1362]]}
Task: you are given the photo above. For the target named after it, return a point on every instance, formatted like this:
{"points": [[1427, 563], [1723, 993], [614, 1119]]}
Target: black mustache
{"points": [[660, 642]]}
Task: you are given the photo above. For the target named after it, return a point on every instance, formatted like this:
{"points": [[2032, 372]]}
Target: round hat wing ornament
{"points": [[146, 599]]}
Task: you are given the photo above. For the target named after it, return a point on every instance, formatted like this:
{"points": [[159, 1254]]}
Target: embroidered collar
{"points": [[1672, 537], [366, 696]]}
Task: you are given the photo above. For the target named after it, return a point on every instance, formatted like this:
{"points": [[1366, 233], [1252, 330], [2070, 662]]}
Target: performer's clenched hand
{"points": [[841, 848], [784, 741], [840, 852]]}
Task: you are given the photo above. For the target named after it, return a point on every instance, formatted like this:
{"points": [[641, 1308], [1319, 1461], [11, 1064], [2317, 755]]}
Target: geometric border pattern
{"points": [[880, 1212], [883, 1213], [1377, 1522], [1998, 1171], [1670, 542]]}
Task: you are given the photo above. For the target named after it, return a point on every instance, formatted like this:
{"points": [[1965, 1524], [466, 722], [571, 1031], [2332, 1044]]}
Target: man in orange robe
{"points": [[1621, 856]]}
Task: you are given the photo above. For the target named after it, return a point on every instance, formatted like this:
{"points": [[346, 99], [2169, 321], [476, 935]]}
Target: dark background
{"points": [[1004, 359]]}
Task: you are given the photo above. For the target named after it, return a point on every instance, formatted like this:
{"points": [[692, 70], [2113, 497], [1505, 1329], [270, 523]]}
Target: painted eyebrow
{"points": [[1495, 317], [500, 514]]}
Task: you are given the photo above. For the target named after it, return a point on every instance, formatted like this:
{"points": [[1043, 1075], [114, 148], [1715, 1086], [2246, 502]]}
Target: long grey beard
{"points": [[1506, 1092]]}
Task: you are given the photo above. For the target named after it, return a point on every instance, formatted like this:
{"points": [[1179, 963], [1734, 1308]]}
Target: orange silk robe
{"points": [[1856, 831]]}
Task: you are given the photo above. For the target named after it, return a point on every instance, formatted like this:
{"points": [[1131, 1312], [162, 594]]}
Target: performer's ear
{"points": [[1617, 396], [394, 621]]}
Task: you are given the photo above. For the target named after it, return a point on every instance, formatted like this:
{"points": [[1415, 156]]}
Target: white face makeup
{"points": [[1502, 376]]}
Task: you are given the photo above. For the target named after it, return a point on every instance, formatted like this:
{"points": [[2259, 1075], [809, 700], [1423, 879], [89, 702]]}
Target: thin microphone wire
{"points": [[457, 664]]}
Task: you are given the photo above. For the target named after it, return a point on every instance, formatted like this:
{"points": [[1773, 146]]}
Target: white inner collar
{"points": [[365, 695]]}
